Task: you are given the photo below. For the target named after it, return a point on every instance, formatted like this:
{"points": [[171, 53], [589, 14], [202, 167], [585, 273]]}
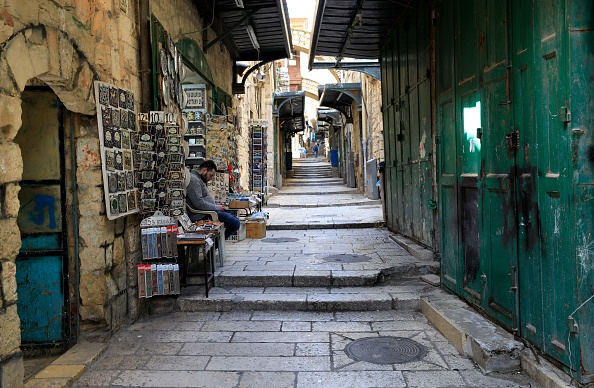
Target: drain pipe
{"points": [[75, 230], [145, 56]]}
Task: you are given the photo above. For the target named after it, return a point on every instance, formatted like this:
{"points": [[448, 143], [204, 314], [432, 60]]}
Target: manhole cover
{"points": [[385, 350], [347, 258], [279, 239]]}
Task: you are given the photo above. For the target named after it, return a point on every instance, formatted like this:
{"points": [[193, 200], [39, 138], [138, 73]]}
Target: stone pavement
{"points": [[287, 311]]}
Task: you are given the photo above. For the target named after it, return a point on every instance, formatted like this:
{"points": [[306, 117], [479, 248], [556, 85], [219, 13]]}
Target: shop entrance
{"points": [[42, 260]]}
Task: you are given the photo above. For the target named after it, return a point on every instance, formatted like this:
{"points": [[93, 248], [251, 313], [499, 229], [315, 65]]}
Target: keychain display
{"points": [[160, 164]]}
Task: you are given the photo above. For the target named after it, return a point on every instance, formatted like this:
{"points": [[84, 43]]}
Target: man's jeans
{"points": [[231, 223]]}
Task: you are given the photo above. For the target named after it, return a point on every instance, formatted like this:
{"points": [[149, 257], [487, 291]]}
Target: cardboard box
{"points": [[239, 204], [255, 229]]}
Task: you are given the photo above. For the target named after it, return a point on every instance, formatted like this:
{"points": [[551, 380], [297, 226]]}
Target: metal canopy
{"points": [[340, 96], [370, 67], [289, 108], [353, 28], [330, 116], [252, 30]]}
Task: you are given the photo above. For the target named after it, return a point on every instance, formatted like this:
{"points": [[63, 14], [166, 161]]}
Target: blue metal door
{"points": [[42, 261]]}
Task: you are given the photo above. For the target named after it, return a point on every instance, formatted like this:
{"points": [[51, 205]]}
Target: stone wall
{"points": [[66, 45], [255, 104]]}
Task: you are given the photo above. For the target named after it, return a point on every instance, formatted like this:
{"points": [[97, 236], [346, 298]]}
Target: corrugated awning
{"points": [[289, 108], [252, 30], [329, 116], [353, 28], [340, 96]]}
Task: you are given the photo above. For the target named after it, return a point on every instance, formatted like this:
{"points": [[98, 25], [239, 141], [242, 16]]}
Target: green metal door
{"points": [[478, 148], [468, 114], [530, 324], [447, 149], [408, 133], [554, 178], [500, 147]]}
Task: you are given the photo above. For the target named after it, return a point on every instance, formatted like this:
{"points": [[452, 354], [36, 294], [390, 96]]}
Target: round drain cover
{"points": [[347, 258], [385, 350], [279, 239]]}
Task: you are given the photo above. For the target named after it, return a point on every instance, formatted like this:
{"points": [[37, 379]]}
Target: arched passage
{"points": [[34, 56]]}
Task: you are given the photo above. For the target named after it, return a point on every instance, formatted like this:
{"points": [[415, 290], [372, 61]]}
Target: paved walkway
{"points": [[288, 309]]}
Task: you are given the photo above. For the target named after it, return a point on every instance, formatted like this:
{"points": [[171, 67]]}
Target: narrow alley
{"points": [[287, 310]]}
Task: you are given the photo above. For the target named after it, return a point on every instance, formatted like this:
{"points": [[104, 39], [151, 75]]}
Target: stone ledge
{"points": [[69, 367], [415, 249], [493, 349]]}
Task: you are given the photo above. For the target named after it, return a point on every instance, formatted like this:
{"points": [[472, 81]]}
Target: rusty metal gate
{"points": [[42, 261]]}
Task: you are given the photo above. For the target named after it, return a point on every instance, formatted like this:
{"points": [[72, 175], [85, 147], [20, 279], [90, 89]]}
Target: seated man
{"points": [[199, 198]]}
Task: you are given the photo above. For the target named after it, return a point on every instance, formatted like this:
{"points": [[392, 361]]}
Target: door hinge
{"points": [[479, 133], [436, 139]]}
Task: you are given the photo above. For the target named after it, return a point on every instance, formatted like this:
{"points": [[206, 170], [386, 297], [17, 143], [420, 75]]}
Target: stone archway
{"points": [[46, 54]]}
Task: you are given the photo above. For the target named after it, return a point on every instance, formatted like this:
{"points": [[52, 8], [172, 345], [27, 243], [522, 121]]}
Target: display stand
{"points": [[160, 164], [159, 243], [258, 148], [116, 118]]}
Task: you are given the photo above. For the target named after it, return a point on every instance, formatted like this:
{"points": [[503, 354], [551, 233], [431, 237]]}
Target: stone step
{"points": [[319, 192], [327, 225], [297, 183], [305, 299], [321, 275], [353, 202]]}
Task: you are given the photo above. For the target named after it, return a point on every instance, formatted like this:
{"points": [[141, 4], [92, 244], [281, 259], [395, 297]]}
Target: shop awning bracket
{"points": [[230, 30]]}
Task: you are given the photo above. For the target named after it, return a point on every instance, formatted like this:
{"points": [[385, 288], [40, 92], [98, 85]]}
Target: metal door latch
{"points": [[512, 140], [565, 114]]}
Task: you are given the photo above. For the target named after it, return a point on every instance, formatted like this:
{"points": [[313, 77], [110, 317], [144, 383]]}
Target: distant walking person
{"points": [[316, 148]]}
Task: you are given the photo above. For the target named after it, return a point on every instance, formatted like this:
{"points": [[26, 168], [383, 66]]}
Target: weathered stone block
{"points": [[112, 288], [11, 239], [12, 371], [40, 55], [109, 257], [11, 200], [132, 238], [88, 153], [94, 313], [118, 312], [11, 331], [119, 276], [90, 176], [95, 231], [119, 226], [10, 116], [9, 285], [92, 261], [17, 56], [7, 84], [93, 289], [11, 162], [79, 98], [119, 254], [90, 199]]}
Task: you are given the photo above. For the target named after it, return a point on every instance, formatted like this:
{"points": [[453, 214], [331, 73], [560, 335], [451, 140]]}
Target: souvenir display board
{"points": [[259, 154], [159, 243], [116, 117], [160, 164], [221, 144], [221, 147]]}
